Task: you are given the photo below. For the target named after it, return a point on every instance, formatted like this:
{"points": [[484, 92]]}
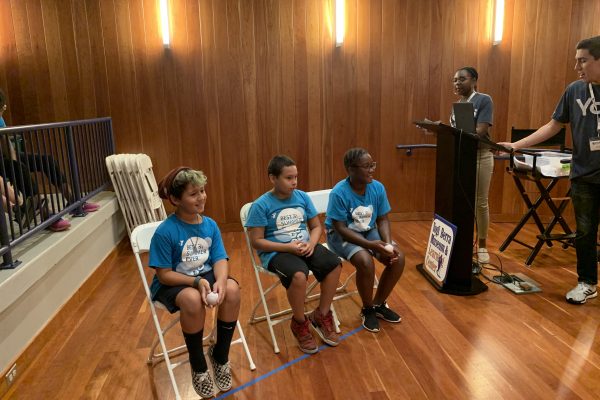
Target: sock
{"points": [[193, 341], [224, 336]]}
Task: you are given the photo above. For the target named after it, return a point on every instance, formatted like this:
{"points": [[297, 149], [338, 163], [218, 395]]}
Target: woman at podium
{"points": [[465, 86]]}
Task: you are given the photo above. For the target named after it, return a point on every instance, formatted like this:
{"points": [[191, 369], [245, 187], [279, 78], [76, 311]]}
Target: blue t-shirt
{"points": [[2, 123], [284, 220], [576, 107], [190, 249], [360, 213]]}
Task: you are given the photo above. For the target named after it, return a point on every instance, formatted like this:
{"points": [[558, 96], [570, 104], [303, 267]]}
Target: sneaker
{"points": [[580, 293], [301, 331], [90, 207], [369, 319], [223, 378], [203, 384], [324, 326], [385, 313], [483, 256], [60, 225]]}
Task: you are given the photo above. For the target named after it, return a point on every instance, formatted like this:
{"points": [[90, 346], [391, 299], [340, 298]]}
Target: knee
{"points": [[364, 263], [298, 279], [337, 271], [401, 260], [233, 296], [189, 302]]}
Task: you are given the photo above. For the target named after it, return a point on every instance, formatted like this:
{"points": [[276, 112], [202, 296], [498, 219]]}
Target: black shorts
{"points": [[167, 294], [321, 263]]}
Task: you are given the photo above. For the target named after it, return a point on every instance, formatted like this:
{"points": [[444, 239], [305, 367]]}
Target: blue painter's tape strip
{"points": [[281, 368]]}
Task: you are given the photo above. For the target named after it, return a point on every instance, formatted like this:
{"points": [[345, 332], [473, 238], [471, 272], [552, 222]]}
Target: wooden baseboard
{"points": [[55, 324]]}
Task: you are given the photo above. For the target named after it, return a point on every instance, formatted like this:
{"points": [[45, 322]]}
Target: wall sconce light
{"points": [[164, 22], [340, 22], [498, 21]]}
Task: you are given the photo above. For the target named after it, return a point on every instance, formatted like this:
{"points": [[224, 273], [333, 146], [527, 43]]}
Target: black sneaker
{"points": [[385, 313], [369, 319]]}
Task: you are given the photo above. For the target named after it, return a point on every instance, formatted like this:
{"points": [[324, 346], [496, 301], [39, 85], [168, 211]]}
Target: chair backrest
{"points": [[140, 239], [243, 218], [557, 140], [320, 199], [142, 235]]}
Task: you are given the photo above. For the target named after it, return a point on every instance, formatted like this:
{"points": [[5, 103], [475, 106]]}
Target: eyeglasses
{"points": [[367, 167]]}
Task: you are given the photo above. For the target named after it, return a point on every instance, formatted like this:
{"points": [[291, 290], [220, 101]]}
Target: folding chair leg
{"points": [[242, 339], [266, 309], [336, 321], [165, 353], [156, 357]]}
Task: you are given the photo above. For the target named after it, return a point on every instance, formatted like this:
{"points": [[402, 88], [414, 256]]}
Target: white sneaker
{"points": [[483, 256], [580, 293]]}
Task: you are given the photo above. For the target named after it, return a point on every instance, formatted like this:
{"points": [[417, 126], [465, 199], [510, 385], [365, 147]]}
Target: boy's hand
{"points": [[307, 249]]}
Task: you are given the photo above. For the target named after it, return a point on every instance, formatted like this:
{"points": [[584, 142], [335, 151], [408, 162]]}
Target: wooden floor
{"points": [[496, 345]]}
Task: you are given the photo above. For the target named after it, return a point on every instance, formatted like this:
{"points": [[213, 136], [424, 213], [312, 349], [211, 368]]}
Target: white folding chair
{"points": [[140, 243], [272, 318], [120, 189], [136, 189], [149, 187]]}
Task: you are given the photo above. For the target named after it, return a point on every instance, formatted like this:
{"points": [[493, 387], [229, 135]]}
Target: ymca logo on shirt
{"points": [[194, 254], [589, 104], [361, 216], [289, 224]]}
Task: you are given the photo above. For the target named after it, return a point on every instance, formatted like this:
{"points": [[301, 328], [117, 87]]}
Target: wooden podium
{"points": [[455, 180]]}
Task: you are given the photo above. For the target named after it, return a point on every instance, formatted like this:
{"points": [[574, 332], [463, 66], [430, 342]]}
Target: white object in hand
{"points": [[389, 248], [212, 299]]}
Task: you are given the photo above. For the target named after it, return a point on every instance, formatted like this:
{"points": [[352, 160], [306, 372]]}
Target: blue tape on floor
{"points": [[284, 366]]}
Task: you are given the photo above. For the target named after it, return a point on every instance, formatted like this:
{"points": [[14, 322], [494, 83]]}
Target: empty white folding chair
{"points": [[140, 243]]}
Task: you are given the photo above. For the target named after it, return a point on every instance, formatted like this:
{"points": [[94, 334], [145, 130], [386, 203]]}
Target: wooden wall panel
{"points": [[247, 79]]}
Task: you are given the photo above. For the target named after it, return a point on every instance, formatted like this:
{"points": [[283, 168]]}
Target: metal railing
{"points": [[48, 171]]}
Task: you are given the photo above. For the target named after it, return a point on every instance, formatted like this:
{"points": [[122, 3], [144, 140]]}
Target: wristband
{"points": [[196, 283]]}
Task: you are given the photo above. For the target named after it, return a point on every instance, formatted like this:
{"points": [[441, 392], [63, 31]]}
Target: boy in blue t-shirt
{"points": [[285, 229], [190, 261], [358, 228]]}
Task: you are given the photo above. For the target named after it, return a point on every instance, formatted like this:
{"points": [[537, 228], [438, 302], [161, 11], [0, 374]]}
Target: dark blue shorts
{"points": [[166, 295], [320, 263]]}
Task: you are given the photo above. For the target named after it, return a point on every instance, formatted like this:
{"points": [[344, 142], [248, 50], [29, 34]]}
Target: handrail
{"points": [[409, 147], [50, 125]]}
